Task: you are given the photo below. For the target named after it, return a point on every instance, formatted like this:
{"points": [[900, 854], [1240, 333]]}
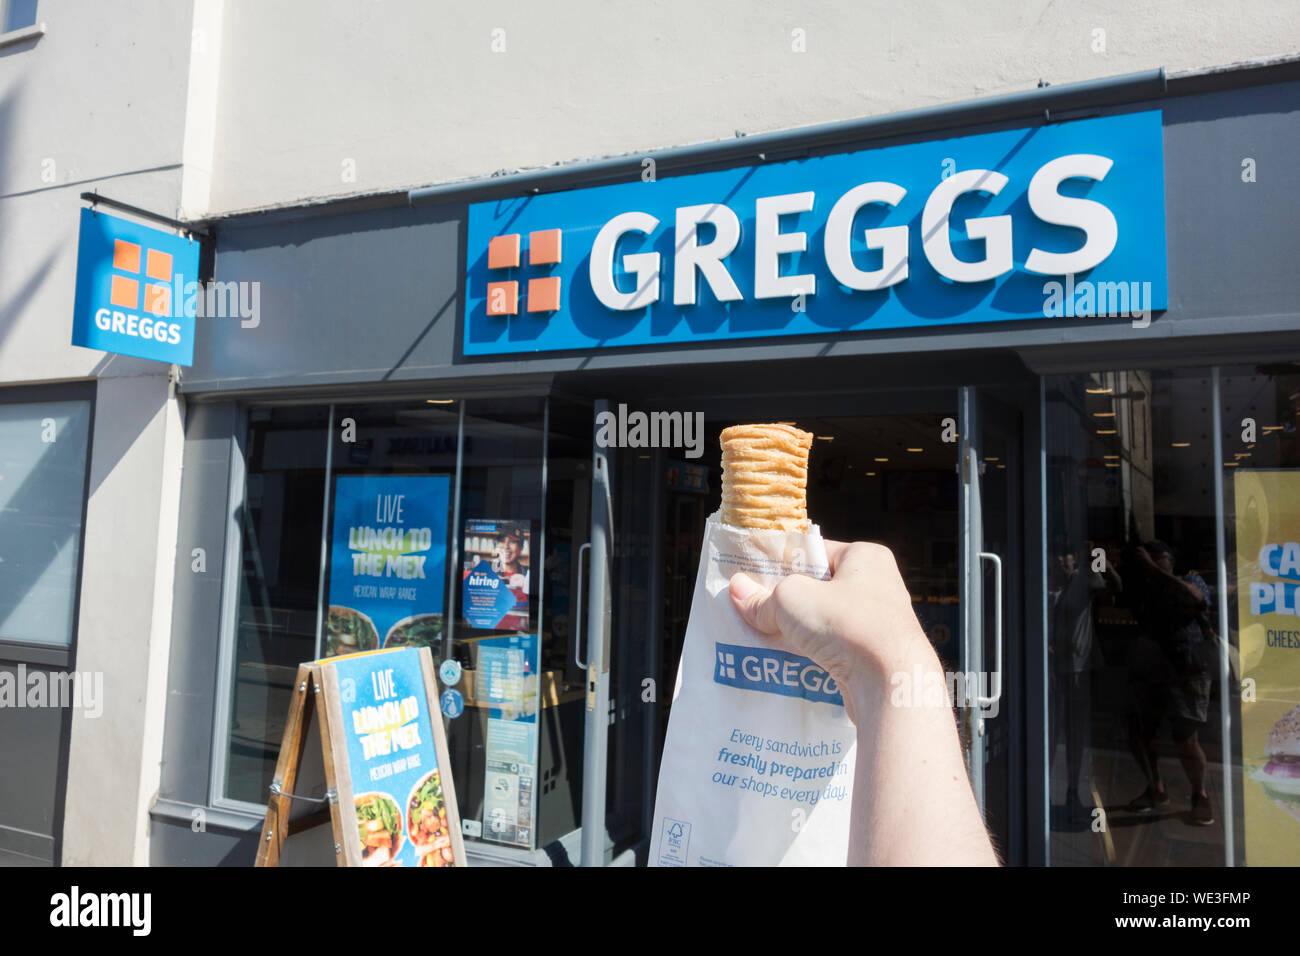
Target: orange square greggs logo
{"points": [[127, 280], [504, 257]]}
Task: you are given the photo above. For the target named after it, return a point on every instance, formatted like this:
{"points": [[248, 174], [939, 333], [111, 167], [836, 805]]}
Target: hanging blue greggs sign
{"points": [[136, 290], [1056, 221]]}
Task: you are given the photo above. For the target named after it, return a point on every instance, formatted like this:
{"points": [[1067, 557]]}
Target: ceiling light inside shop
{"points": [[991, 458], [1180, 444], [871, 474], [825, 437], [1103, 414], [1105, 431], [1271, 428], [1110, 456], [1099, 391], [1112, 464], [1242, 454], [1231, 464], [915, 450], [881, 459], [440, 401]]}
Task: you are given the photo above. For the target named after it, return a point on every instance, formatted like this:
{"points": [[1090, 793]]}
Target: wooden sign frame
{"points": [[316, 688]]}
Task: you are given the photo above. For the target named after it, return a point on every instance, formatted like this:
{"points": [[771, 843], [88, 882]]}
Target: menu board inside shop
{"points": [[388, 563]]}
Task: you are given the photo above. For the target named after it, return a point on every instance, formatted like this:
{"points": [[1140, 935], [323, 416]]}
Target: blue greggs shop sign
{"points": [[1053, 221], [136, 290]]}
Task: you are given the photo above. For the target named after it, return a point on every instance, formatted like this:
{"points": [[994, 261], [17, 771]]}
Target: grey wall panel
{"points": [[360, 296], [30, 740], [1230, 242], [176, 844], [196, 615]]}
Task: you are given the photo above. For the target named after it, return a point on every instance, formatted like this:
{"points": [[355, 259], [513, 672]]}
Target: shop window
{"points": [[276, 623], [42, 493], [496, 630], [483, 577], [1137, 748], [1261, 491], [16, 14]]}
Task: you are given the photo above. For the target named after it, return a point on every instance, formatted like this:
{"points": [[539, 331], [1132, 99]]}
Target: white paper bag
{"points": [[758, 763]]}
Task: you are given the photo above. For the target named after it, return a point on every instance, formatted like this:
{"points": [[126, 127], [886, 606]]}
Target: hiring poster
{"points": [[508, 687], [496, 575], [1268, 610], [397, 807], [388, 566]]}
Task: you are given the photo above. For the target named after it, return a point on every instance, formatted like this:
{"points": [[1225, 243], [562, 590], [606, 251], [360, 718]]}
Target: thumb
{"points": [[754, 603]]}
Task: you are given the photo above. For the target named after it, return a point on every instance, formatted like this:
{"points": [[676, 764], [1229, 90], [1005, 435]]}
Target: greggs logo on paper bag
{"points": [[774, 672]]}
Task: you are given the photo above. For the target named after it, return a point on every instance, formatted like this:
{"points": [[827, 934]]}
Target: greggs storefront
{"points": [[1049, 350]]}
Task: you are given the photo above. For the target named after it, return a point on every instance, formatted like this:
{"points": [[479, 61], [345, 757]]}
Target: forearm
{"points": [[1186, 595], [912, 799]]}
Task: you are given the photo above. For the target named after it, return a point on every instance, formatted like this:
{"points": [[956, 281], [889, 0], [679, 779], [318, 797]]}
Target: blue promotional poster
{"points": [[508, 687], [402, 816], [496, 580], [388, 563]]}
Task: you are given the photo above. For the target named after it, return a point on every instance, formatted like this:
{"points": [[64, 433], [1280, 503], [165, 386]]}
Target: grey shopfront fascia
{"points": [[361, 299]]}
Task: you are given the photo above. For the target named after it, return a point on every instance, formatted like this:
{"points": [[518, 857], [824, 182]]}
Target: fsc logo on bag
{"points": [[774, 672], [131, 283]]}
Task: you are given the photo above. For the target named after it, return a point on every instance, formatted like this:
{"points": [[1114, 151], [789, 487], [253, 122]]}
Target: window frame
{"points": [[32, 30], [57, 655]]}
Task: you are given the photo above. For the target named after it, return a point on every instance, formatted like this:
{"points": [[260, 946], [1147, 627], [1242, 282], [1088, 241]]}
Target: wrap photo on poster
{"points": [[496, 576], [403, 812], [507, 684], [388, 563], [1268, 612]]}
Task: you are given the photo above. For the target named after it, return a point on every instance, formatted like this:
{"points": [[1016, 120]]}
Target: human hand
{"points": [[859, 625], [912, 799]]}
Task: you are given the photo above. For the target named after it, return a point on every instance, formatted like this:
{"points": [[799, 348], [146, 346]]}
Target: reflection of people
{"points": [[509, 563], [1074, 655], [912, 799], [1170, 674]]}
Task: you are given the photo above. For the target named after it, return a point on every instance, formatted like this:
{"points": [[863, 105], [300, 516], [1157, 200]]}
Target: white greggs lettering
{"points": [[691, 256], [127, 323]]}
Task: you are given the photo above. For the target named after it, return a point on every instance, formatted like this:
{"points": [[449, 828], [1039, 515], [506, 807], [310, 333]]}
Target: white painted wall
{"points": [[114, 760], [99, 103], [96, 104], [329, 97]]}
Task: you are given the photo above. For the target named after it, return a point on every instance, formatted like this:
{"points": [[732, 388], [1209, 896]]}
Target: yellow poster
{"points": [[1268, 611]]}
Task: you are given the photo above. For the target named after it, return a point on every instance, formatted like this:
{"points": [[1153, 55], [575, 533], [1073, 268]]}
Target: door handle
{"points": [[579, 610], [997, 629]]}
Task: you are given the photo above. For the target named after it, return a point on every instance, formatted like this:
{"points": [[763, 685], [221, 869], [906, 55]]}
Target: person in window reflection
{"points": [[1170, 673], [1073, 652]]}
